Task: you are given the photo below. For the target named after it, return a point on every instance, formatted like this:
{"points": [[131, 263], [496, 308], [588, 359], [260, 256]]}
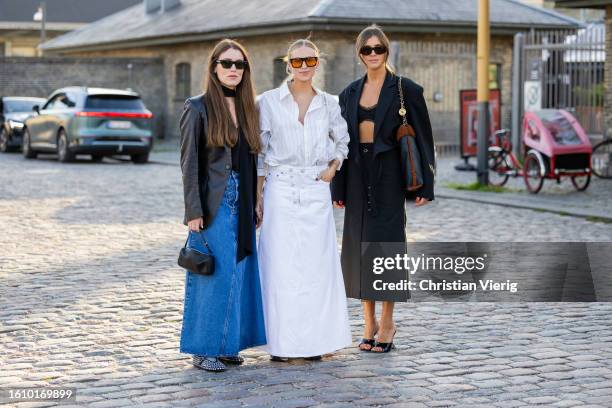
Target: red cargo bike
{"points": [[554, 145]]}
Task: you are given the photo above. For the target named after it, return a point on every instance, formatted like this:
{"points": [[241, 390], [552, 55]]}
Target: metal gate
{"points": [[562, 69]]}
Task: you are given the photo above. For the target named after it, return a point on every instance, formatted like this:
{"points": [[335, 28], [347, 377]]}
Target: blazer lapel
{"points": [[384, 101], [352, 108], [354, 105]]}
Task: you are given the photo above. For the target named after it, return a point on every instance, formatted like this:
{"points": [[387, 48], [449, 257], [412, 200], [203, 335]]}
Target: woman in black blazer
{"points": [[370, 185]]}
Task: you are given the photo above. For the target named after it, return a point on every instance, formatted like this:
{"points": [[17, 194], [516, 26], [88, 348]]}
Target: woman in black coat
{"points": [[370, 185]]}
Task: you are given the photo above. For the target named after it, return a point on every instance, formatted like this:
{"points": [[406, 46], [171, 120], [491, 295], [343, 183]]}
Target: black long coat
{"points": [[389, 221]]}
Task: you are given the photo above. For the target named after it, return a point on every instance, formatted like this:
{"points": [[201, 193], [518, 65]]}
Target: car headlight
{"points": [[15, 124]]}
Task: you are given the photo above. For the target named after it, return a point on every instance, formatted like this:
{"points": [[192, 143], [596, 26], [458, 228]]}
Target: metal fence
{"points": [[562, 69]]}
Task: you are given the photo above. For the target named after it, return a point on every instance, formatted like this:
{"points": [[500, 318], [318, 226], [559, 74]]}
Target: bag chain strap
{"points": [[402, 110]]}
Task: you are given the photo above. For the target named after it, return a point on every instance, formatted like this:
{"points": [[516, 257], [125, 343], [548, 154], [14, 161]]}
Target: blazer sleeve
{"points": [[191, 127], [426, 144], [338, 183]]}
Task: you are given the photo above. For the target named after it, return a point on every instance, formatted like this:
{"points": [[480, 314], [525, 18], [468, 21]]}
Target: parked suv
{"points": [[13, 111], [95, 121]]}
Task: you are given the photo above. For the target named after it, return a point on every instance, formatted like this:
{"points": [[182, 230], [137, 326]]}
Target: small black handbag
{"points": [[196, 261], [412, 173]]}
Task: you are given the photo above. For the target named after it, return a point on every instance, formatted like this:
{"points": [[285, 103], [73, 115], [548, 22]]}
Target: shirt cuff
{"points": [[340, 158], [262, 170]]}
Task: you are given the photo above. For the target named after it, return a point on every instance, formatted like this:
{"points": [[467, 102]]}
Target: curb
{"points": [[516, 202]]}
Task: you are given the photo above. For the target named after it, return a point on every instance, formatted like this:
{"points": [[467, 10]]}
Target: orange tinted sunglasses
{"points": [[298, 62]]}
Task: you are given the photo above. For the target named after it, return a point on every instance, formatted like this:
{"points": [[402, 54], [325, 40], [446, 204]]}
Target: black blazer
{"points": [[386, 122], [205, 168]]}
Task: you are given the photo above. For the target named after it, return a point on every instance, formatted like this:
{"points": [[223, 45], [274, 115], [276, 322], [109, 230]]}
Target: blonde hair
{"points": [[302, 42], [369, 32]]}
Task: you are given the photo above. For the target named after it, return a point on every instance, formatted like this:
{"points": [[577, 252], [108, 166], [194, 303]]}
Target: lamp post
{"points": [[41, 15], [129, 67], [483, 91]]}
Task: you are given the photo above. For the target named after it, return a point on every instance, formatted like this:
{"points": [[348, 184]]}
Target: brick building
{"points": [[434, 43], [20, 35], [582, 14]]}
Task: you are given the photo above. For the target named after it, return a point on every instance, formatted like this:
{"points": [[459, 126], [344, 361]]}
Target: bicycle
{"points": [[601, 159], [536, 166]]}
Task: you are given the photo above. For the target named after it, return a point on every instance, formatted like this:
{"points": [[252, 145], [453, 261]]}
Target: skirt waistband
{"points": [[288, 167], [292, 174], [296, 170]]}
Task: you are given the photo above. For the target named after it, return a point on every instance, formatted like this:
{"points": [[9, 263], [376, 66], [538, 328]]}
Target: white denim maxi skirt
{"points": [[304, 301]]}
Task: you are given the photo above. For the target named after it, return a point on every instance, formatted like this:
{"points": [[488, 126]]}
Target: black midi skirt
{"points": [[375, 217]]}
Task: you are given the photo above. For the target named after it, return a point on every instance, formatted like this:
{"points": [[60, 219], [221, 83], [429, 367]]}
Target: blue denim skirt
{"points": [[223, 312]]}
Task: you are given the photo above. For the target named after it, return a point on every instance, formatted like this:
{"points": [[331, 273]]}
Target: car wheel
{"points": [[63, 152], [140, 158], [4, 147], [26, 148]]}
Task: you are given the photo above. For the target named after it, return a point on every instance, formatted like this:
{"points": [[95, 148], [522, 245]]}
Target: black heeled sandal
{"points": [[371, 342], [279, 359], [386, 347]]}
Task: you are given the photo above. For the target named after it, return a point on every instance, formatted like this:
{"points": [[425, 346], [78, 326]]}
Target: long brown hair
{"points": [[221, 130], [369, 32]]}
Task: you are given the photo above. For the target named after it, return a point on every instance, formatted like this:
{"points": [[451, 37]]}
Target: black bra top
{"points": [[366, 113]]}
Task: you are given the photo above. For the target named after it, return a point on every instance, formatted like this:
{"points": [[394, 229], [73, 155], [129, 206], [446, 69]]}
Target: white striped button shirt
{"points": [[322, 138]]}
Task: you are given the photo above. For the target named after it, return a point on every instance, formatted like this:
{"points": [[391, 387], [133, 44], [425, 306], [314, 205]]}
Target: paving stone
{"points": [[540, 400], [441, 388], [91, 297]]}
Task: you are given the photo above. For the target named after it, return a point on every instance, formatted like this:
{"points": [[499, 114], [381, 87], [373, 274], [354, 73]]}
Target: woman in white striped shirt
{"points": [[304, 142]]}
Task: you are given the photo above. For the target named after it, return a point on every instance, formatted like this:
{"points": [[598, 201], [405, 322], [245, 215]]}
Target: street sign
{"points": [[532, 92], [469, 119]]}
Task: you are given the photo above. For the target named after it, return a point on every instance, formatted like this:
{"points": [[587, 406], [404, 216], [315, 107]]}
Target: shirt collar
{"points": [[284, 90]]}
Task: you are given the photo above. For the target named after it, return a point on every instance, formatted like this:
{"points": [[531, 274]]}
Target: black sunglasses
{"points": [[378, 49], [298, 62], [227, 64]]}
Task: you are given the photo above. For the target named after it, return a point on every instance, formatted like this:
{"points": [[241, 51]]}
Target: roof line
{"points": [[76, 31], [314, 17], [31, 25], [600, 4], [549, 12], [465, 27]]}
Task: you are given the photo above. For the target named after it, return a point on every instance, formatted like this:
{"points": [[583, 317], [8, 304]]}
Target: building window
{"points": [[280, 71], [183, 80], [494, 76], [2, 49]]}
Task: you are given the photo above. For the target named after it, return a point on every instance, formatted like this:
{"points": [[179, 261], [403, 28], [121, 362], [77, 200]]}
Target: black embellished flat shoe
{"points": [[237, 360], [279, 359], [386, 347], [313, 358], [208, 363]]}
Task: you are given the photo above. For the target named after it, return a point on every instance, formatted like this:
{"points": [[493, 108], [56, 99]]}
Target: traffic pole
{"points": [[483, 92]]}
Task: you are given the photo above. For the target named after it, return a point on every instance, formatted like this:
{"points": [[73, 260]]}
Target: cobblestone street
{"points": [[91, 297]]}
